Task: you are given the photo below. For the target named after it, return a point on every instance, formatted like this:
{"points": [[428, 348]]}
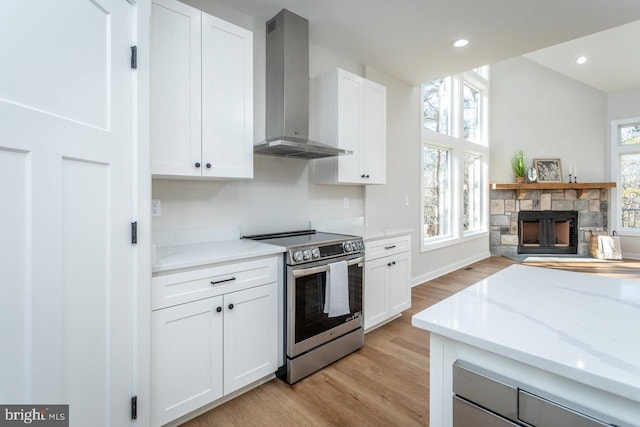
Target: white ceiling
{"points": [[412, 39], [613, 58]]}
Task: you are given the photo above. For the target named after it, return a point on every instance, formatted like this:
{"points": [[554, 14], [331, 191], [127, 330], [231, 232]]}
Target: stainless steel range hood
{"points": [[287, 92]]}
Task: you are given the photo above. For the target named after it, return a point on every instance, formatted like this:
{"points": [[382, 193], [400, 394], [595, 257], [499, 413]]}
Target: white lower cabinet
{"points": [[206, 349], [387, 290], [186, 358]]}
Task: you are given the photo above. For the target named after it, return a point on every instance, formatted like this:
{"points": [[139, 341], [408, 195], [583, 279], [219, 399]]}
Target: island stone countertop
{"points": [[579, 326]]}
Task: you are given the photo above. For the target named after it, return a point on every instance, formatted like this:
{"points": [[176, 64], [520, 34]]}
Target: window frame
{"points": [[617, 151], [458, 146]]}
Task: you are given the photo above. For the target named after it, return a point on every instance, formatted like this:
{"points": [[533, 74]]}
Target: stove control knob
{"points": [[297, 256], [306, 254], [315, 253], [360, 245], [347, 246]]}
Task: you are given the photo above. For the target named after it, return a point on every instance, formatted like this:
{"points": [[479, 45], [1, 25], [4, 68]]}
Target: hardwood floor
{"points": [[383, 384]]}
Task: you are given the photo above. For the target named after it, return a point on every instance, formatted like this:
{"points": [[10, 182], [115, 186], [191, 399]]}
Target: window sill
{"points": [[438, 243], [473, 235]]}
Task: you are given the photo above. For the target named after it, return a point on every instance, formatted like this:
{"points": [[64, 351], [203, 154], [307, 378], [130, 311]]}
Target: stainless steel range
{"points": [[323, 275]]}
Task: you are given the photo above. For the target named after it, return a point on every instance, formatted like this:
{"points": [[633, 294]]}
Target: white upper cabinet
{"points": [[351, 114], [201, 94]]}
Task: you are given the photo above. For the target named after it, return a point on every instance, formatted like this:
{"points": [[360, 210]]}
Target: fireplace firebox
{"points": [[547, 232]]}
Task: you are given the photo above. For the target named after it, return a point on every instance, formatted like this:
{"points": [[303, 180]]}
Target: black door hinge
{"points": [[134, 57], [134, 233], [134, 407]]}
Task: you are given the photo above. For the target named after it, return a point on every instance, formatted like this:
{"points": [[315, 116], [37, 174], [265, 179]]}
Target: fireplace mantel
{"points": [[521, 189]]}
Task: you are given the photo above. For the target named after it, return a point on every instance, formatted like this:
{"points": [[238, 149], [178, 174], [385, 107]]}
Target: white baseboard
{"points": [[627, 255], [449, 268]]}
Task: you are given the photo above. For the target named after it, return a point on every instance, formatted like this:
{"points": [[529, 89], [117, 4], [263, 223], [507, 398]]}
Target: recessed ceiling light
{"points": [[461, 43], [581, 60]]}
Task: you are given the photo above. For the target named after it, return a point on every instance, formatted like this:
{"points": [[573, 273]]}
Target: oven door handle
{"points": [[322, 268]]}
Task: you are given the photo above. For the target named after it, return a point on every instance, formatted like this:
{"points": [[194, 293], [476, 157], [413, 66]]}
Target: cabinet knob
{"points": [[208, 165], [363, 176], [197, 164], [388, 264], [367, 176], [218, 309], [230, 306]]}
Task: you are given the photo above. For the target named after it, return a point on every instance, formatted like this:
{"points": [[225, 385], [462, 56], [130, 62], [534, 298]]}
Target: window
{"points": [[437, 105], [625, 138], [437, 192], [454, 158], [472, 193], [471, 113]]}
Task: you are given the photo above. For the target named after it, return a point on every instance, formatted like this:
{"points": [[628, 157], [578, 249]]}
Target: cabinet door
{"points": [[375, 133], [399, 283], [186, 358], [350, 119], [175, 89], [250, 336], [376, 307], [227, 99]]}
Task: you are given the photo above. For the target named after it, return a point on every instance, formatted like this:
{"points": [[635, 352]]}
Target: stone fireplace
{"points": [[590, 206]]}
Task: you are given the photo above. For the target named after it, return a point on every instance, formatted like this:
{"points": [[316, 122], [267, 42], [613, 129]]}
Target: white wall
{"points": [[548, 115], [625, 105], [281, 196]]}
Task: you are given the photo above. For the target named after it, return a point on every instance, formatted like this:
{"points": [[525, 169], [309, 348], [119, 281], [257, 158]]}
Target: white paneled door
{"points": [[66, 185]]}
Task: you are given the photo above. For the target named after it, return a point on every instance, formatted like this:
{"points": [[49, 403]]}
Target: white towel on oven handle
{"points": [[336, 295]]}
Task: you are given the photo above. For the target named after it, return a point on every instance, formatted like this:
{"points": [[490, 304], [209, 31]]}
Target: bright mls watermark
{"points": [[34, 415]]}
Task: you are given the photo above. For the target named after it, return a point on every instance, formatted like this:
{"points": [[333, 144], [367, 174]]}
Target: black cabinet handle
{"points": [[389, 264], [218, 309], [230, 306], [197, 164], [390, 247], [208, 165], [231, 279]]}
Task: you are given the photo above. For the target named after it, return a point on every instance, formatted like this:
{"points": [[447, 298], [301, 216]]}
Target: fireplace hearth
{"points": [[547, 232]]}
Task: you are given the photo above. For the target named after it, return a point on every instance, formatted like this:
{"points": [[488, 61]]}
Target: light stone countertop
{"points": [[188, 255], [576, 325], [369, 232]]}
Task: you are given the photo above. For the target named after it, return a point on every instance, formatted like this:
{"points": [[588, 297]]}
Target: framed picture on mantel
{"points": [[549, 170]]}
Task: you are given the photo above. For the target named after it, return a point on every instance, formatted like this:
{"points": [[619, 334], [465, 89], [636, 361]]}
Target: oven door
{"points": [[307, 325]]}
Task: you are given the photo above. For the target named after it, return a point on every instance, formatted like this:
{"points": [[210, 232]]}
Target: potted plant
{"points": [[519, 167]]}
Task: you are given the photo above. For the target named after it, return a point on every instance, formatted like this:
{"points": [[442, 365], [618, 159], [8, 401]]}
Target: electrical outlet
{"points": [[345, 203], [406, 200], [156, 207]]}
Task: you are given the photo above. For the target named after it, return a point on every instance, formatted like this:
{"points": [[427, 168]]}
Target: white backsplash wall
{"points": [[280, 197]]}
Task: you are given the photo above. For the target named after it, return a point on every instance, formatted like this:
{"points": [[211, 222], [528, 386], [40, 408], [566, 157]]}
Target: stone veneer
{"points": [[592, 209]]}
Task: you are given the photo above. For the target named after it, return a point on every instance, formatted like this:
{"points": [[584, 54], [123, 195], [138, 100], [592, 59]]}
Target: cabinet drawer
{"points": [[466, 414], [375, 249], [541, 412], [485, 389], [179, 288]]}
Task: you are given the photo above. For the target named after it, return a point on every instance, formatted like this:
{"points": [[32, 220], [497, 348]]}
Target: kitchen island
{"points": [[574, 338]]}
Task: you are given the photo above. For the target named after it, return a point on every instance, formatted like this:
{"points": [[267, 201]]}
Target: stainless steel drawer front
{"points": [[540, 412], [466, 414], [474, 385]]}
